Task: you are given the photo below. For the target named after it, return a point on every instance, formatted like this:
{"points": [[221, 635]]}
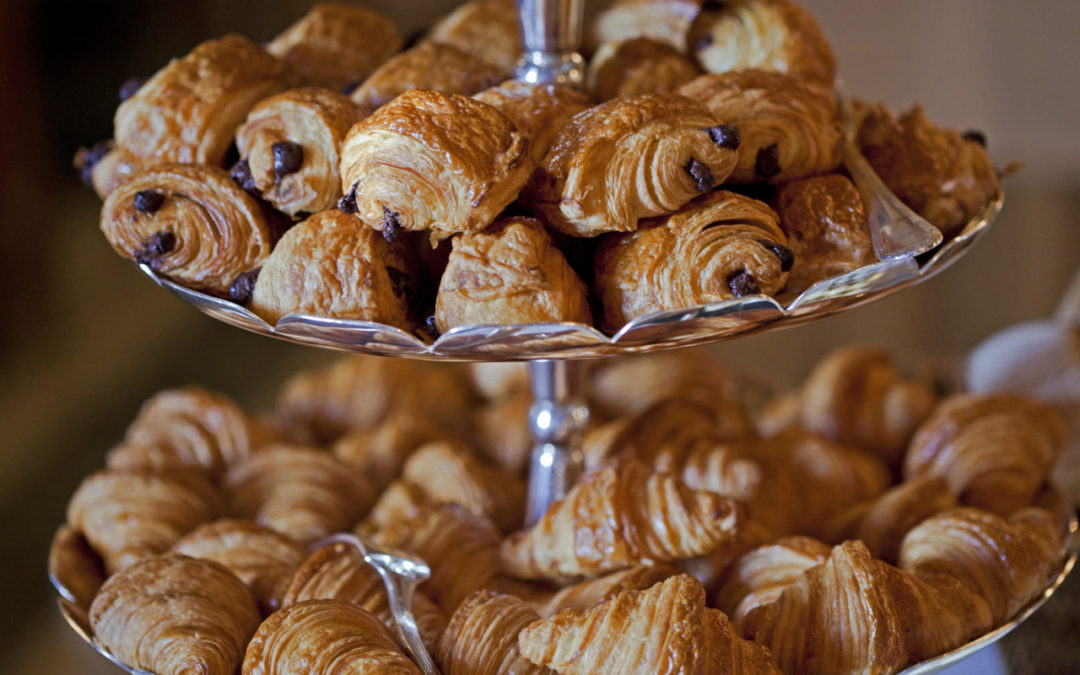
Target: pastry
{"points": [[995, 450], [788, 129], [485, 29], [192, 224], [430, 66], [75, 569], [332, 266], [629, 385], [509, 273], [637, 66], [719, 247], [103, 166], [334, 45], [772, 34], [174, 615], [189, 110], [432, 161], [664, 629], [619, 516], [130, 515], [482, 638], [592, 592], [628, 159], [338, 572], [260, 557], [291, 146], [665, 21], [945, 177], [827, 229], [497, 380], [303, 493], [539, 111], [501, 432], [380, 452], [324, 636]]}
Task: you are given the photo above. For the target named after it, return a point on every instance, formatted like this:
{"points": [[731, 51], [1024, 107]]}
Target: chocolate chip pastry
{"points": [[539, 111], [637, 66], [665, 21], [486, 30], [104, 165]]}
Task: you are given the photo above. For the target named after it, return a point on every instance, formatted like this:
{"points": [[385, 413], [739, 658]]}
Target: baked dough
{"points": [[104, 165], [485, 29], [592, 592], [380, 452], [482, 638], [637, 66], [665, 21], [539, 111]]}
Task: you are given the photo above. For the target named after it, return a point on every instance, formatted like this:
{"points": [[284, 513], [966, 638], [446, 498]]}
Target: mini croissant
{"points": [[486, 29], [629, 385], [539, 111], [380, 452], [482, 638], [637, 66], [592, 592]]}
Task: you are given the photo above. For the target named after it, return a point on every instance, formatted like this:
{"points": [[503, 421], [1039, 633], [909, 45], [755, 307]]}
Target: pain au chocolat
{"points": [[486, 29]]}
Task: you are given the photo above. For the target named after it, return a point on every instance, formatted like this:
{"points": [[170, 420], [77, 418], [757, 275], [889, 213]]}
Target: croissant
{"points": [[261, 558], [942, 175], [539, 111], [619, 516], [510, 273], [192, 224], [324, 636], [628, 159], [995, 450], [432, 160], [303, 493], [498, 380], [771, 34], [485, 29], [665, 629], [331, 265], [629, 385], [429, 66], [291, 148], [501, 432], [592, 592], [856, 396], [380, 452], [1005, 562], [173, 615], [718, 247], [665, 21], [827, 229], [338, 572], [482, 638], [188, 427], [103, 166], [130, 515], [788, 129], [637, 66], [74, 568], [188, 112], [334, 45]]}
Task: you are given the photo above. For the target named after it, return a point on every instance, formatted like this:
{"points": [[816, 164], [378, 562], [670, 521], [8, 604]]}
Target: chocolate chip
{"points": [[87, 158], [302, 215], [701, 174], [713, 6], [431, 326], [347, 204], [349, 88], [391, 226], [787, 258], [288, 158], [767, 164], [130, 87], [148, 201], [241, 175], [741, 283], [157, 245], [975, 136], [725, 135], [705, 42], [243, 286]]}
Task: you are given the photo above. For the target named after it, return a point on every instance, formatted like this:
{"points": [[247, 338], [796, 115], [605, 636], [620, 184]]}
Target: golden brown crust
{"points": [[482, 638], [203, 233], [175, 615], [592, 592], [380, 452], [718, 247], [827, 229], [485, 29], [665, 21], [539, 111], [74, 567], [104, 166], [629, 385], [332, 265], [637, 66], [334, 45], [188, 112], [772, 34], [501, 432], [435, 161], [628, 159], [324, 636], [508, 274]]}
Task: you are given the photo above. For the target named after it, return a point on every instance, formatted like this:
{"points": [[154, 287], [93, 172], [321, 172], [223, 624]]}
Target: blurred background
{"points": [[85, 338]]}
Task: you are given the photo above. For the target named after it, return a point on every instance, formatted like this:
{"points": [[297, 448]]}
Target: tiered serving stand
{"points": [[909, 250]]}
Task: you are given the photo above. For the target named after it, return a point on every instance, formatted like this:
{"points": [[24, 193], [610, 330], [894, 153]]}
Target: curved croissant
{"points": [[303, 493], [432, 160], [130, 515], [620, 516], [592, 592], [174, 615], [324, 636], [260, 557], [665, 21], [501, 432], [539, 111], [628, 159], [665, 629], [380, 452], [510, 273], [188, 111], [773, 34], [331, 265], [338, 572], [482, 638], [716, 248], [334, 44], [485, 29], [190, 223], [629, 385], [637, 66], [291, 144]]}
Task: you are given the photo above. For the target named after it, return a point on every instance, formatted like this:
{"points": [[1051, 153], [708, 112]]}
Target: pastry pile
{"points": [[329, 173], [856, 525]]}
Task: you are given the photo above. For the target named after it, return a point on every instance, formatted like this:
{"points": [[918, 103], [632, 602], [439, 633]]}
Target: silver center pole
{"points": [[557, 419], [551, 35]]}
